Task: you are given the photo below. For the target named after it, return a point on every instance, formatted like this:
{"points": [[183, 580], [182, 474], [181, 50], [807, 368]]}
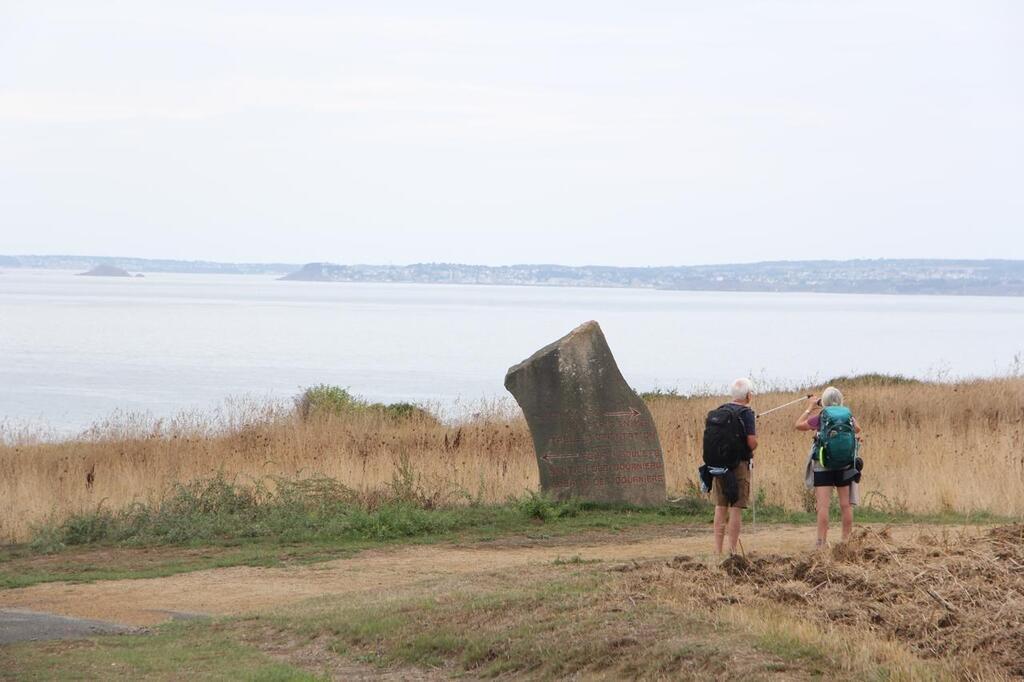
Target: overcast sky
{"points": [[640, 133]]}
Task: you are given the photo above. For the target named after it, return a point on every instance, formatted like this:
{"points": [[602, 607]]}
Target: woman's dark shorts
{"points": [[828, 479]]}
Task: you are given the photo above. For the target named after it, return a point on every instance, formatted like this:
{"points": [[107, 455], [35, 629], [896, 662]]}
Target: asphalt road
{"points": [[27, 626]]}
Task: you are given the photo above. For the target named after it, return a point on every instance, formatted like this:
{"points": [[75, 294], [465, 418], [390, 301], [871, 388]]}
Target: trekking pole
{"points": [[753, 489], [753, 495], [776, 409]]}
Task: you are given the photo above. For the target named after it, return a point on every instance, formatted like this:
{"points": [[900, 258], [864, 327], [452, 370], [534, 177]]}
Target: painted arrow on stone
{"points": [[631, 413], [548, 458]]}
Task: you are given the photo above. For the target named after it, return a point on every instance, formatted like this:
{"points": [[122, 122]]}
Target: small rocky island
{"points": [[107, 271]]}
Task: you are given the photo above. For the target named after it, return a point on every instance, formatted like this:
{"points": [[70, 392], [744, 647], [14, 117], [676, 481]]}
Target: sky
{"points": [[574, 132]]}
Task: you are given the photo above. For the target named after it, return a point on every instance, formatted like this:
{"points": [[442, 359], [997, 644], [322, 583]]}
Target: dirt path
{"points": [[238, 590]]}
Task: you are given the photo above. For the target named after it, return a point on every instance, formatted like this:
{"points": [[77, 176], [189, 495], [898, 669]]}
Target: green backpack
{"points": [[836, 442]]}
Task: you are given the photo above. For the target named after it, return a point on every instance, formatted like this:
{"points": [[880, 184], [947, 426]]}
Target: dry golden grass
{"points": [[928, 448]]}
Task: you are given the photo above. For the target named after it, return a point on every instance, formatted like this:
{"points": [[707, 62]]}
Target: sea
{"points": [[76, 350]]}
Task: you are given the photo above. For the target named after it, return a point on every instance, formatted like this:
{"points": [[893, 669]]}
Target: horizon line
{"points": [[520, 264]]}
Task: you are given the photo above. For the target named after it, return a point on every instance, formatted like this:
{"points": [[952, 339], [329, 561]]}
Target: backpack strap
{"points": [[737, 411], [819, 440]]}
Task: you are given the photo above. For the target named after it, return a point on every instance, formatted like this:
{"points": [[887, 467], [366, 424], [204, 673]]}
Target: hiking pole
{"points": [[753, 490], [776, 409], [753, 495]]}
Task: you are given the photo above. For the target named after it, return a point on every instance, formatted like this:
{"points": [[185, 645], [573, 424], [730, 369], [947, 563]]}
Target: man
{"points": [[729, 515]]}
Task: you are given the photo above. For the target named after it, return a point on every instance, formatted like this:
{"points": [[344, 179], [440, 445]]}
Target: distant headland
{"points": [[874, 276], [939, 277], [107, 271]]}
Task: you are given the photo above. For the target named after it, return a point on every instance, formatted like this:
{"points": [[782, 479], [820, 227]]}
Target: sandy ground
{"points": [[240, 590]]}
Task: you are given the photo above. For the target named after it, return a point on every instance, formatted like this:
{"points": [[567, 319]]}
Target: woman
{"points": [[823, 479]]}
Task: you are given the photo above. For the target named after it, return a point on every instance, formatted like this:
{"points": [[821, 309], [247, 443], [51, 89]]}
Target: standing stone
{"points": [[594, 436]]}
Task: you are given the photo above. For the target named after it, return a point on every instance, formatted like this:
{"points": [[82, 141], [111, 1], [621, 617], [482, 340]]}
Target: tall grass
{"points": [[929, 447]]}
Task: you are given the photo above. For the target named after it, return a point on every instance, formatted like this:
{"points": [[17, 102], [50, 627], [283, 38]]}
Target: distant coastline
{"points": [[107, 271], [64, 262], [881, 276]]}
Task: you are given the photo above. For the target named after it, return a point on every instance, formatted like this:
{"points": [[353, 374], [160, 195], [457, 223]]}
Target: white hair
{"points": [[831, 396], [740, 388]]}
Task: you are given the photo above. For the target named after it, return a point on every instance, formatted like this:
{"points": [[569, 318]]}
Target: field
{"points": [[920, 602], [929, 448], [342, 540]]}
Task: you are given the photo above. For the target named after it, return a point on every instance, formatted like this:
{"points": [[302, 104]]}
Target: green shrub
{"points": [[401, 410], [540, 506], [660, 393], [47, 539], [873, 380], [324, 399]]}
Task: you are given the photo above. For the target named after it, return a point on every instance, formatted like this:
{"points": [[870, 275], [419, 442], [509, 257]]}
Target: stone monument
{"points": [[594, 436]]}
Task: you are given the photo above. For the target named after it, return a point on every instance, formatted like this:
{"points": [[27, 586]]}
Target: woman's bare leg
{"points": [[822, 500], [847, 510]]}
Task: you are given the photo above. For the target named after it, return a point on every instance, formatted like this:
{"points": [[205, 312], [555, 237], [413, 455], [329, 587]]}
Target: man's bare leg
{"points": [[735, 522], [720, 516]]}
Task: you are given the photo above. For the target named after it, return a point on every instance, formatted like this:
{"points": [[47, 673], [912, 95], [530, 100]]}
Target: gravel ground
{"points": [[26, 626]]}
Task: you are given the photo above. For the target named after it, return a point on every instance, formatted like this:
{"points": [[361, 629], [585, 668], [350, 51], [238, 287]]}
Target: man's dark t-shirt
{"points": [[749, 421]]}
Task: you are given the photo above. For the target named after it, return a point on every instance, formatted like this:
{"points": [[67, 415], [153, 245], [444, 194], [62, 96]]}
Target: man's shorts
{"points": [[742, 482]]}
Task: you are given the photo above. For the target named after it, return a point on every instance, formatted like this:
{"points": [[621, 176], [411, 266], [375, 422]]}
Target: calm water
{"points": [[74, 349]]}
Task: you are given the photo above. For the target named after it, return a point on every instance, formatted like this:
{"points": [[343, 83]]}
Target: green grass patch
{"points": [[217, 512], [285, 523], [19, 568], [873, 509], [790, 647], [216, 524], [432, 649], [177, 651]]}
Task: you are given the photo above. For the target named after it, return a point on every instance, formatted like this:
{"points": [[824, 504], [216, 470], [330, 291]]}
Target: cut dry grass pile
{"points": [[928, 447], [951, 597]]}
